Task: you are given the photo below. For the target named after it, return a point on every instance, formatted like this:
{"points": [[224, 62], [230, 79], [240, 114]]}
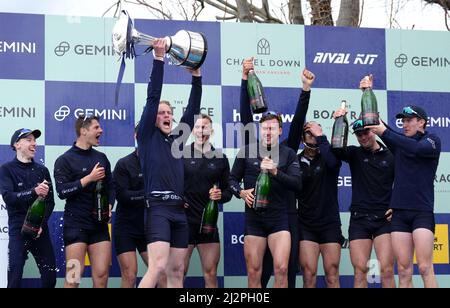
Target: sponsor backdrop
{"points": [[53, 68]]}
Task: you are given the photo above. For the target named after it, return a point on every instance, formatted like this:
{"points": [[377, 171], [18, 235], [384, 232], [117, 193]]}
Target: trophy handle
{"points": [[140, 38]]}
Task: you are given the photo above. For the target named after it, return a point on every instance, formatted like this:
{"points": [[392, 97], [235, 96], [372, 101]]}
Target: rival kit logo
{"points": [[344, 58]]}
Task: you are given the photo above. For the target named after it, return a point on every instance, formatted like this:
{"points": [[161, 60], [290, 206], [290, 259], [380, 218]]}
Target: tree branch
{"points": [[295, 12]]}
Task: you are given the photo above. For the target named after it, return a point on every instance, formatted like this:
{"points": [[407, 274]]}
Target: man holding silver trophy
{"points": [[166, 222], [167, 228]]}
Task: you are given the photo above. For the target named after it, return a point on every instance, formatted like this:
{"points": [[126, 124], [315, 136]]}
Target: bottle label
{"points": [[208, 229], [370, 115], [261, 203], [370, 118], [337, 139], [30, 230]]}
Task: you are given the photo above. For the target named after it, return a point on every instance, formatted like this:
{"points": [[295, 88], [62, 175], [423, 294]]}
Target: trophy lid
{"points": [[121, 32]]}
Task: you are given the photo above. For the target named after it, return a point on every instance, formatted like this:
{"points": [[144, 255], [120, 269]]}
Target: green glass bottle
{"points": [[262, 191], [34, 218], [209, 217], [101, 204], [340, 130], [258, 101], [369, 108]]}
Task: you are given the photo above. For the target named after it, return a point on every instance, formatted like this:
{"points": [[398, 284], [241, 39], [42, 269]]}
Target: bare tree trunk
{"points": [[348, 13], [321, 12], [295, 12], [243, 9]]}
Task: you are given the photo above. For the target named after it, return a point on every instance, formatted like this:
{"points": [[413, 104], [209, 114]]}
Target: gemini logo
{"points": [[401, 60], [84, 50], [106, 114], [62, 113], [62, 48], [17, 47], [17, 112], [417, 61], [263, 47]]}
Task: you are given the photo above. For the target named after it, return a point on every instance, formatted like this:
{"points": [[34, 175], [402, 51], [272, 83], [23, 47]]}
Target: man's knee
{"points": [[129, 275], [254, 272], [425, 269], [210, 273], [280, 269]]}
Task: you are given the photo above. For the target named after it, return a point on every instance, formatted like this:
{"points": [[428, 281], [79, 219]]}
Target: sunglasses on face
{"points": [[357, 124]]}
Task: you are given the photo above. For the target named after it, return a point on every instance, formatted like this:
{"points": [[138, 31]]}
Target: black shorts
{"points": [[263, 226], [367, 226], [129, 243], [167, 223], [196, 237], [327, 235], [408, 220], [89, 237]]}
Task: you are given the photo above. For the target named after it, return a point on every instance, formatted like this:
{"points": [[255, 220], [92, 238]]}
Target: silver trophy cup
{"points": [[185, 48]]}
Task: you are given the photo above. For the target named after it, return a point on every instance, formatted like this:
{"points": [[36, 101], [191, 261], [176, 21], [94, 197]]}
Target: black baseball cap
{"points": [[358, 126], [412, 112], [23, 133]]}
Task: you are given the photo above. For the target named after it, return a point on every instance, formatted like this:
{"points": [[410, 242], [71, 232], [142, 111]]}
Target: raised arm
{"points": [[195, 98], [244, 102], [429, 147], [246, 112], [154, 88], [296, 129]]}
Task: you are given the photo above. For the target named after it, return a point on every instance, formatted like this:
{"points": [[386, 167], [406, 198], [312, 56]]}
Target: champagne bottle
{"points": [[209, 217], [34, 218], [258, 101], [369, 108], [262, 191], [101, 204], [340, 130]]}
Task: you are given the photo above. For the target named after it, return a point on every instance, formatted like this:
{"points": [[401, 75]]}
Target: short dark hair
{"points": [[205, 116], [84, 121], [270, 115]]}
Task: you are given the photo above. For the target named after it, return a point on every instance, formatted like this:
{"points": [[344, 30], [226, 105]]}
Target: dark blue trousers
{"points": [[42, 251]]}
